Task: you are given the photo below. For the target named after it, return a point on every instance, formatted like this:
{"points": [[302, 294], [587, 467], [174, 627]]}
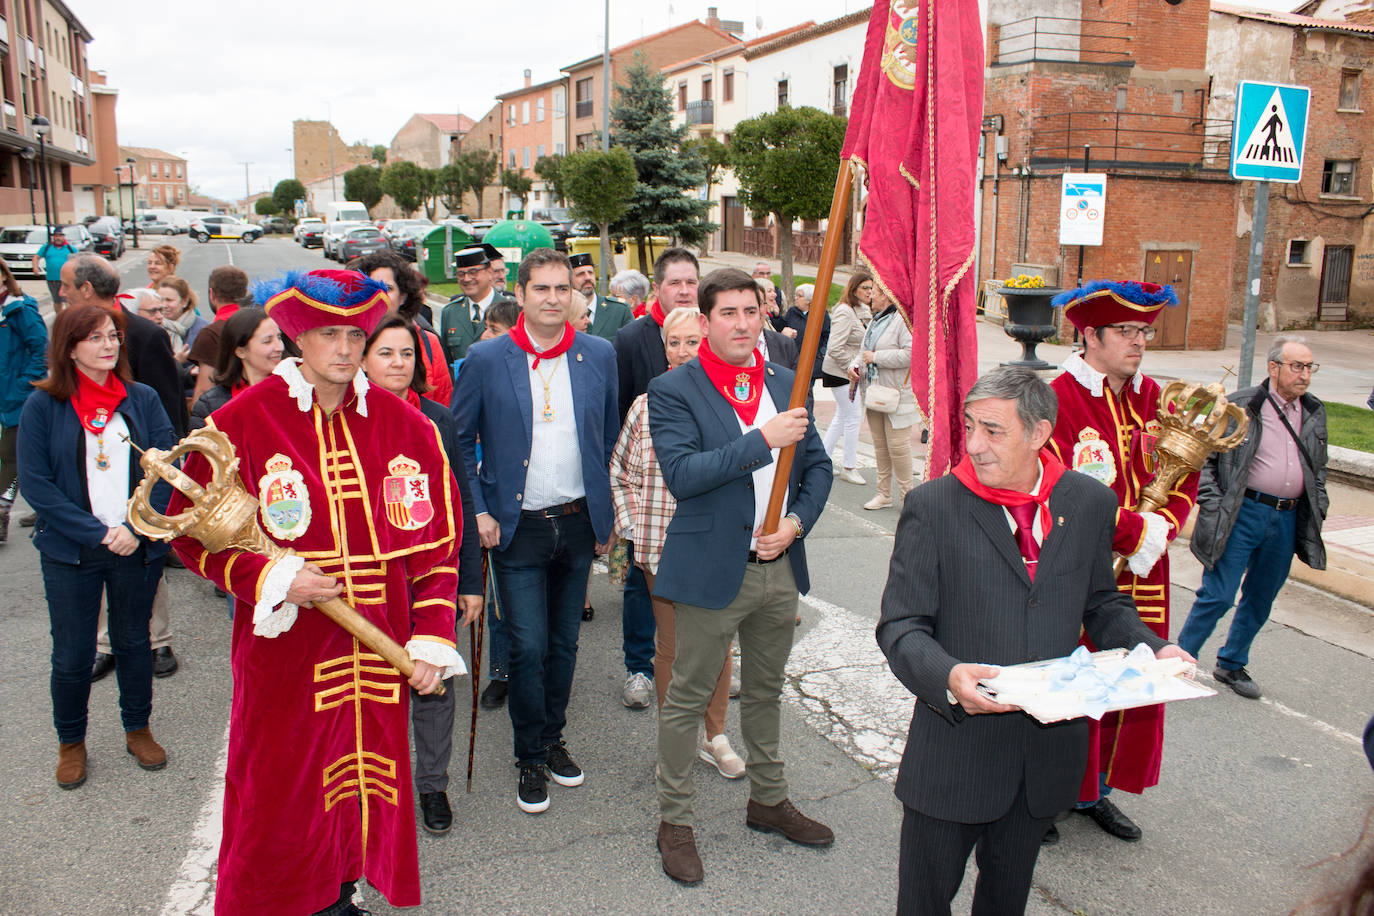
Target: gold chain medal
{"points": [[100, 421]]}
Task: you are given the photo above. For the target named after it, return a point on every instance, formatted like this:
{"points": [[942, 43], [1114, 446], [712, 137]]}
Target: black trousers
{"points": [[934, 853]]}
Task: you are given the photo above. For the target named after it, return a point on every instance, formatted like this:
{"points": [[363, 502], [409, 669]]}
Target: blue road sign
{"points": [[1269, 132]]}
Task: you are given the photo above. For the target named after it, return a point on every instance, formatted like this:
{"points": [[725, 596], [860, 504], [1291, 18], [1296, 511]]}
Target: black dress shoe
{"points": [[1051, 837], [437, 816], [104, 664], [494, 695], [1109, 817], [164, 662], [588, 612]]}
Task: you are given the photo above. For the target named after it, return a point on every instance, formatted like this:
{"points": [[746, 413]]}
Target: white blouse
{"points": [[109, 488]]}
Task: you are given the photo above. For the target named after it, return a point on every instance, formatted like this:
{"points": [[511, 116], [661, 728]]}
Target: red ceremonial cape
{"points": [[1110, 437]]}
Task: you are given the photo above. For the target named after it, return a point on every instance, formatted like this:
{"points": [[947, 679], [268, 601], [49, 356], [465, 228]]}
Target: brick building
{"points": [[310, 147], [1127, 79], [659, 49], [534, 124], [161, 177], [96, 189], [1318, 266], [43, 72], [428, 139], [486, 135]]}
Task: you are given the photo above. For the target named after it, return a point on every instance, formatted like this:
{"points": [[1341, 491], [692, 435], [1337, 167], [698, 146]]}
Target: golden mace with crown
{"points": [[1195, 419], [223, 514]]}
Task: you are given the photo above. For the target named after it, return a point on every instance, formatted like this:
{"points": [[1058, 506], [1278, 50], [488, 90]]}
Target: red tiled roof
{"points": [[735, 49], [449, 123], [638, 42], [1293, 20]]}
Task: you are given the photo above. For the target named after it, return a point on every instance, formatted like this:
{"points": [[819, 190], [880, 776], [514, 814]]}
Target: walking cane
{"points": [[475, 642]]}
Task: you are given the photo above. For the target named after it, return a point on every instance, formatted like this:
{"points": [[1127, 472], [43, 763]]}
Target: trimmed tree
{"points": [[429, 190], [663, 202], [363, 184], [518, 185], [715, 156], [479, 168], [550, 171], [404, 181], [378, 153], [286, 193], [786, 163], [265, 206], [450, 184], [599, 186]]}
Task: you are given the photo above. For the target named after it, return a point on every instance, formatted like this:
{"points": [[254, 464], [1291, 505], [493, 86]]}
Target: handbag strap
{"points": [[1302, 449]]}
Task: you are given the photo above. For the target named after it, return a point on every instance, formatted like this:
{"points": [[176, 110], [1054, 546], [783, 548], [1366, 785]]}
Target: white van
{"points": [[181, 219], [344, 210]]}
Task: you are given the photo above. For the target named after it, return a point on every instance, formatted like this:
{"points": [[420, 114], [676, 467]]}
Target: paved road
{"points": [[1253, 793]]}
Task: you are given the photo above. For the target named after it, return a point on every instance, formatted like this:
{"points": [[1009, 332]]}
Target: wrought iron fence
{"points": [[1130, 139], [1064, 40], [702, 111]]}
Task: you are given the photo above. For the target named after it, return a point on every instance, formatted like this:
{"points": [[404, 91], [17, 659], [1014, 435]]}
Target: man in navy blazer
{"points": [[542, 401], [717, 425]]}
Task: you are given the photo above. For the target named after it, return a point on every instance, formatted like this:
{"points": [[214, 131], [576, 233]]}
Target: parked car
{"points": [[408, 240], [361, 241], [224, 227], [480, 227], [311, 235], [107, 237], [152, 225], [334, 233], [396, 226], [276, 224], [305, 223], [19, 245]]}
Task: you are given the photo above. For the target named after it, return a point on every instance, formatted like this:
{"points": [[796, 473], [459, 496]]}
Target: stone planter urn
{"points": [[1030, 320]]}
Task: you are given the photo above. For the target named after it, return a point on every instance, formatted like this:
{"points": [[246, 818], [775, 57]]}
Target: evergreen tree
{"points": [[665, 201]]}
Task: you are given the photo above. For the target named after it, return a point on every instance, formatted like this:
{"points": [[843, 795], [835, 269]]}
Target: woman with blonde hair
{"points": [[162, 263], [885, 359]]}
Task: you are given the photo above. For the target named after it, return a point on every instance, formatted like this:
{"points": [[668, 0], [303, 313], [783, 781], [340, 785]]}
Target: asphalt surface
{"points": [[1252, 795]]}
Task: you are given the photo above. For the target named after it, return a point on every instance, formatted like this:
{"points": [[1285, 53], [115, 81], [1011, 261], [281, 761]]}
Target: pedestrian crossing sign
{"points": [[1269, 131]]}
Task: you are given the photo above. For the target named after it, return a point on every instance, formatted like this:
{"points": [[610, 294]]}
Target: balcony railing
{"points": [[583, 108], [1058, 39], [1130, 140], [702, 111]]}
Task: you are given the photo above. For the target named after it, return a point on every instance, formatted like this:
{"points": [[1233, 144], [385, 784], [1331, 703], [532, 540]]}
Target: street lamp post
{"points": [[133, 198], [41, 128], [119, 193], [27, 156]]}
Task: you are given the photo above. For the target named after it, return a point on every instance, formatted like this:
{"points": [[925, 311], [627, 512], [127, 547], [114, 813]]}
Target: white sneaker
{"points": [[879, 502], [720, 755], [850, 475], [638, 692]]}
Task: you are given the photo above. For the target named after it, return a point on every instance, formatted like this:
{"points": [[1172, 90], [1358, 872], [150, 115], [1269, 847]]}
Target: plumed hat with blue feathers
{"points": [[1098, 303], [301, 300]]}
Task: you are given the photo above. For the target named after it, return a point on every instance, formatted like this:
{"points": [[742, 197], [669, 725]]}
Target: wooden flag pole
{"points": [[811, 340]]}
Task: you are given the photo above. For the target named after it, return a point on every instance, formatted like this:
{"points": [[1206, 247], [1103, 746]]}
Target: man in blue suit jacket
{"points": [[717, 425], [542, 401]]}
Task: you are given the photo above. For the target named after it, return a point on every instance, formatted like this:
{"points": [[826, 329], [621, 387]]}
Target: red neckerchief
{"points": [[639, 310], [1053, 470], [412, 398], [742, 386], [656, 310], [522, 340], [95, 404], [237, 388], [225, 311]]}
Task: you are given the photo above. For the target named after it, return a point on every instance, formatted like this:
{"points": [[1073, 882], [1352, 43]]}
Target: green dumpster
{"points": [[437, 249], [515, 238]]}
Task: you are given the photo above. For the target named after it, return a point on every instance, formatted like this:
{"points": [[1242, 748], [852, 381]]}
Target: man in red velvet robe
{"points": [[1106, 429], [318, 788]]}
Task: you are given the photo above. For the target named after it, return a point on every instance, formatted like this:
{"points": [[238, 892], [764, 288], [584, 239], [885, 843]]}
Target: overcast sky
{"points": [[220, 84]]}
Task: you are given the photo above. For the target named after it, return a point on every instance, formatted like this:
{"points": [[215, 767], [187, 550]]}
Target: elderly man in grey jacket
{"points": [[1258, 505]]}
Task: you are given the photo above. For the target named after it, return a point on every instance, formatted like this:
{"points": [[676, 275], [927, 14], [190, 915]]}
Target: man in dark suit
{"points": [[718, 424], [542, 401], [608, 315], [1028, 564]]}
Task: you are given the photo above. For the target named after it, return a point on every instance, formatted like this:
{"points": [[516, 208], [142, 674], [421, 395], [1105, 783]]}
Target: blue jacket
{"points": [[493, 390], [23, 355], [52, 469], [709, 466]]}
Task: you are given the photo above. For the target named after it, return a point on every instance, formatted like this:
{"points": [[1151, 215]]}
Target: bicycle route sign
{"points": [[1269, 132]]}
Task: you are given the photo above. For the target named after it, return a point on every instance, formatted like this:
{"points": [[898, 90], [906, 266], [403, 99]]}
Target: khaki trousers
{"points": [[159, 628], [892, 449], [665, 650], [764, 614]]}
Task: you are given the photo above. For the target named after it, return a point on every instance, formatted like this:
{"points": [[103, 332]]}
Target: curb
{"points": [[1350, 467]]}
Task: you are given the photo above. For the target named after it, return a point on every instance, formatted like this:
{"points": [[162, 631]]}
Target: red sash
{"points": [[741, 386], [522, 340]]}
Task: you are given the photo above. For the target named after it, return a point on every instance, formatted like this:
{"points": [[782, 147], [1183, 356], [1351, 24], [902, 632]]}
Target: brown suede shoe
{"points": [[784, 818], [678, 846], [71, 764], [145, 750]]}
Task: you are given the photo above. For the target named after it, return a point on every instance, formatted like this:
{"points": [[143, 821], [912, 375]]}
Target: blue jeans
{"points": [[498, 641], [637, 621], [1260, 549], [73, 592], [542, 579]]}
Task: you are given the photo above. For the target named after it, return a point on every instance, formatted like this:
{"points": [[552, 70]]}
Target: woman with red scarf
{"points": [[77, 468], [390, 361], [250, 346]]}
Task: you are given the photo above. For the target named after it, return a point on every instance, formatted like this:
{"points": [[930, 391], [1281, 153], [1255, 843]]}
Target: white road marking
{"points": [[1275, 705], [229, 253], [193, 892]]}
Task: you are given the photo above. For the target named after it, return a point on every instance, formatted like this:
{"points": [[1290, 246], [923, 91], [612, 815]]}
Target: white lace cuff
{"points": [[445, 658], [269, 620], [1152, 546]]}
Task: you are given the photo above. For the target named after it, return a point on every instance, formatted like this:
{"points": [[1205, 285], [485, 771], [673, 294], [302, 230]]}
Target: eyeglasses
{"points": [[472, 273], [1130, 332], [1300, 368], [152, 310], [113, 337]]}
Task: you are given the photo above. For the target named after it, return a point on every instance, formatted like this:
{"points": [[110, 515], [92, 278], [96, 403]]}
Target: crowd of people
{"points": [[433, 469]]}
